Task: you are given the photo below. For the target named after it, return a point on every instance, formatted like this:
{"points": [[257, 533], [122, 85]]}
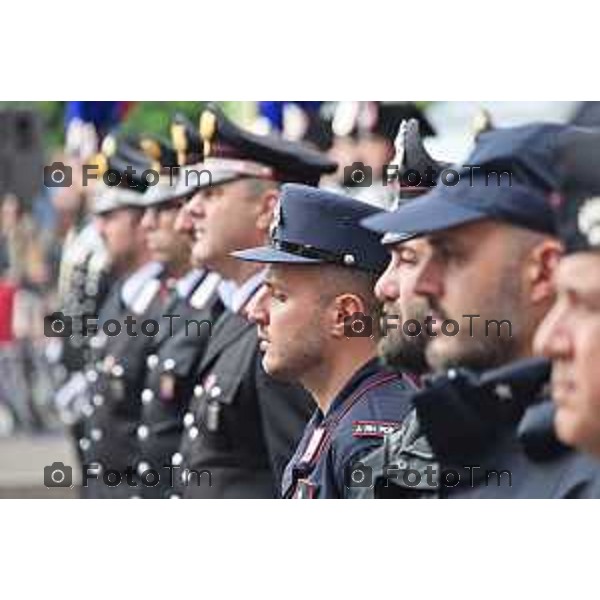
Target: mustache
{"points": [[418, 309]]}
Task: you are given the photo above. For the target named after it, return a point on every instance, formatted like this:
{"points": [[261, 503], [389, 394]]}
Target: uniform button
{"points": [[176, 459], [91, 376], [169, 364], [147, 396], [174, 497], [117, 371], [143, 432], [98, 400], [143, 467], [96, 434], [188, 419], [215, 392], [193, 433], [84, 444], [87, 410], [198, 391], [503, 391], [135, 497], [452, 374], [152, 361]]}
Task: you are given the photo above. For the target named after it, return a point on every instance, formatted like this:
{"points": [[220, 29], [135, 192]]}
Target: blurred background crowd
{"points": [[37, 221]]}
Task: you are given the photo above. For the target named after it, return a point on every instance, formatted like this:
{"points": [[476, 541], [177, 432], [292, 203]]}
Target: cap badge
{"points": [[151, 148], [349, 260], [400, 143], [482, 122], [588, 221], [109, 146], [277, 219]]}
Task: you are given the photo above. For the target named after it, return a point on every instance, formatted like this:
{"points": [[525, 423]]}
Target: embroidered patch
{"points": [[377, 429]]}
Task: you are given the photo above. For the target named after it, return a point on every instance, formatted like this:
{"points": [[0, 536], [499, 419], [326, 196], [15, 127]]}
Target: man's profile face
{"points": [[570, 337], [395, 290], [120, 229], [165, 244], [224, 220], [473, 269], [291, 321]]}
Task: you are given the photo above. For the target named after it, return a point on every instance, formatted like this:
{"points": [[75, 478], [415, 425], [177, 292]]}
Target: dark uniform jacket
{"points": [[242, 426], [116, 378], [487, 436], [326, 463], [170, 377]]}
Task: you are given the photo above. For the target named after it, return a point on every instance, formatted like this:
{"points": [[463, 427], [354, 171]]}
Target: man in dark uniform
{"points": [[242, 426], [570, 333], [492, 256], [190, 305], [319, 284], [395, 289], [118, 361]]}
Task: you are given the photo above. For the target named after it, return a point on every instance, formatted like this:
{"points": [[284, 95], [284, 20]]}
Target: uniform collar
{"points": [[367, 370], [135, 282], [225, 291], [188, 283], [244, 292]]}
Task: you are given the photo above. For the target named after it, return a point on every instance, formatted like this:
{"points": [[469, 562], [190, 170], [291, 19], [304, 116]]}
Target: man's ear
{"points": [[345, 306], [541, 269], [266, 206]]}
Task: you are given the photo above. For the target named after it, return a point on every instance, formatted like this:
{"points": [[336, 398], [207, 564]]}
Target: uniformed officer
{"points": [[118, 361], [190, 307], [570, 333], [318, 294], [492, 255], [242, 426]]}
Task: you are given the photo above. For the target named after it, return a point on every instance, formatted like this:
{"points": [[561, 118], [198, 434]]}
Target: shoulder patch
{"points": [[377, 429]]}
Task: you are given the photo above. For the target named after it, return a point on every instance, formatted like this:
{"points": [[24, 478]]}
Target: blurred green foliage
{"points": [[150, 117]]}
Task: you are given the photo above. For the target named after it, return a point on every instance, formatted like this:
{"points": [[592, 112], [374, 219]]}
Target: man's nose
{"points": [[257, 309], [552, 338], [387, 288]]}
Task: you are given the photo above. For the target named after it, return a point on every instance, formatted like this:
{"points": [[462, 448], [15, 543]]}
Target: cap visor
{"points": [[267, 254], [423, 215]]}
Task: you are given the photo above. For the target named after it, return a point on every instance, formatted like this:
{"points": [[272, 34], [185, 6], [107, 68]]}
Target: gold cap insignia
{"points": [[178, 137], [109, 146], [151, 148], [208, 129]]}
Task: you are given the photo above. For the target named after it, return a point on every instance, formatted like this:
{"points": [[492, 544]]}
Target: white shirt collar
{"points": [[186, 284], [134, 284], [244, 292]]}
